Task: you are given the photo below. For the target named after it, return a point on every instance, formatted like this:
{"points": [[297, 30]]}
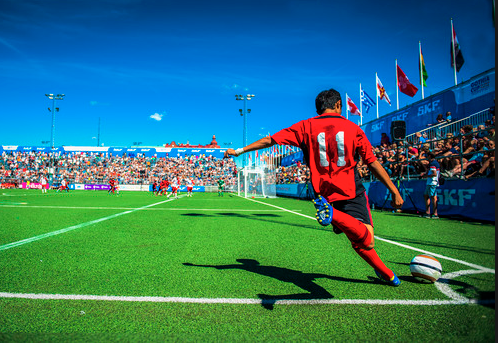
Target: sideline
{"points": [[240, 301]]}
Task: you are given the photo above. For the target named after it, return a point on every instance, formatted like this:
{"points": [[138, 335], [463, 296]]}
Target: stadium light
{"points": [[53, 97], [244, 114]]}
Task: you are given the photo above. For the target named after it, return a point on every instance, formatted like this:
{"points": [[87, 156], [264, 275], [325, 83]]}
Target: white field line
{"points": [[18, 205], [74, 227], [484, 269], [243, 301], [443, 286]]}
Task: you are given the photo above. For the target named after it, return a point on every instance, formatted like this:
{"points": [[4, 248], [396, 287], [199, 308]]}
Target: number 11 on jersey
{"points": [[339, 138]]}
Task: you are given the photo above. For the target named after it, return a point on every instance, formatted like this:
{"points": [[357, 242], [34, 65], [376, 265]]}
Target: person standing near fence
{"points": [[430, 194]]}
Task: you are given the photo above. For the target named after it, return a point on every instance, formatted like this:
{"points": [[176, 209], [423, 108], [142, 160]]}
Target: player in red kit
{"points": [[112, 185], [163, 187], [332, 145]]}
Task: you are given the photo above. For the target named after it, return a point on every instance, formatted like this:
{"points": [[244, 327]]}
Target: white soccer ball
{"points": [[425, 268]]}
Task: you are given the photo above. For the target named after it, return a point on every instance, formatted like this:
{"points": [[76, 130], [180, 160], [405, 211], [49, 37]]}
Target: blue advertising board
{"points": [[474, 198], [292, 159]]}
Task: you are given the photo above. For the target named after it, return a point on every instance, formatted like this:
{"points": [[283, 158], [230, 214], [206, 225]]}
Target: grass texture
{"points": [[269, 254]]}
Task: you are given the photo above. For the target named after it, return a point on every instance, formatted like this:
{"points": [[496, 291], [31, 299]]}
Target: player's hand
{"points": [[397, 200], [229, 152]]}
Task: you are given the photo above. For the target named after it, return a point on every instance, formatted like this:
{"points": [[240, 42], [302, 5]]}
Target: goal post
{"points": [[258, 182]]}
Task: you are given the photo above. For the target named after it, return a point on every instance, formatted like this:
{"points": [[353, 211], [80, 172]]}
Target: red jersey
{"points": [[164, 184], [331, 145]]}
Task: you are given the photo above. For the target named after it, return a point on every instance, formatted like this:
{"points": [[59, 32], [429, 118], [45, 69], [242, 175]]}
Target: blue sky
{"points": [[131, 63]]}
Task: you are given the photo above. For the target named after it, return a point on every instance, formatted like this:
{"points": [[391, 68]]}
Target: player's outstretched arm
{"points": [[262, 143], [381, 174]]}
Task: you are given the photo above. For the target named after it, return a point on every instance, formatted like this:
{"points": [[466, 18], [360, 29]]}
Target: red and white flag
{"points": [[405, 86], [381, 91], [352, 107]]}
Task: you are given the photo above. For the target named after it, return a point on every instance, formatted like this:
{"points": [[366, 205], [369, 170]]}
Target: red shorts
{"points": [[174, 189], [189, 189]]}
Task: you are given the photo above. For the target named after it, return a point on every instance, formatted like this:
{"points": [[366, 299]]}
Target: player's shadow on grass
{"points": [[441, 245], [302, 280], [260, 217]]}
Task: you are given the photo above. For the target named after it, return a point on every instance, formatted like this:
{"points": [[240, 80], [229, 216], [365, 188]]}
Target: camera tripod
{"points": [[399, 183], [310, 193]]}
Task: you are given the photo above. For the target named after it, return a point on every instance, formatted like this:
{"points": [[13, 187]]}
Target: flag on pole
{"points": [[352, 107], [366, 100], [455, 49], [381, 91], [424, 76], [405, 86]]}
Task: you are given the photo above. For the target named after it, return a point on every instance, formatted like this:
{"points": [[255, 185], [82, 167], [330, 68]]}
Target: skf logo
{"points": [[377, 126], [428, 108], [456, 197]]}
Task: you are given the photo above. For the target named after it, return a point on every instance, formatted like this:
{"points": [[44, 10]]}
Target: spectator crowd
{"points": [[468, 154], [87, 168]]}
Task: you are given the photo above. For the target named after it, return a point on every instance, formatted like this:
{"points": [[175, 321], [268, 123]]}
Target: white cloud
{"points": [[157, 116]]}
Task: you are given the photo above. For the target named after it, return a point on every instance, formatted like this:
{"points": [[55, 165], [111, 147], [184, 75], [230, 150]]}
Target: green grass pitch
{"points": [[86, 266]]}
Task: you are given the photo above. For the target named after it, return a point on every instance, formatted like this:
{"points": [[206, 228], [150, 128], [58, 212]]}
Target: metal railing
{"points": [[440, 130], [410, 164]]}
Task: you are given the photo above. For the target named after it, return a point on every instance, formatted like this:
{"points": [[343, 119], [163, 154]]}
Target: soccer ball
{"points": [[425, 268]]}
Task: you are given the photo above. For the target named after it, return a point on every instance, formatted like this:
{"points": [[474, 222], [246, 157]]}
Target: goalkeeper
{"points": [[221, 185], [331, 145]]}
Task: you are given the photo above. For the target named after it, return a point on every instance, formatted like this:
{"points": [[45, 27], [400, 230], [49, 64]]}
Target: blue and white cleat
{"points": [[393, 282], [324, 210]]}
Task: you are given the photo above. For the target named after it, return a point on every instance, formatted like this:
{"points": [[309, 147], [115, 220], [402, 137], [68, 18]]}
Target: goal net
{"points": [[258, 182]]}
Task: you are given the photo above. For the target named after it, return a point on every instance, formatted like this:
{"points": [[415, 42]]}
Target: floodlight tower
{"points": [[53, 98], [244, 113]]}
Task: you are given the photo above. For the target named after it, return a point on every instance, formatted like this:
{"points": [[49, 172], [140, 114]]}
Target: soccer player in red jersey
{"points": [[331, 145], [164, 187], [112, 184]]}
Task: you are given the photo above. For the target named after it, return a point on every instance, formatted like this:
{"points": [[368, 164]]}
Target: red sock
{"points": [[355, 230], [371, 257]]}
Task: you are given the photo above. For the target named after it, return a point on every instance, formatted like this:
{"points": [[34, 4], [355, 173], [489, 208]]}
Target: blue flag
{"points": [[366, 100]]}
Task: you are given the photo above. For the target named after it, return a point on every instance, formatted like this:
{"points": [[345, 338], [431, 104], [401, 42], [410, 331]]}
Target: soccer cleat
{"points": [[425, 215], [324, 211], [393, 282]]}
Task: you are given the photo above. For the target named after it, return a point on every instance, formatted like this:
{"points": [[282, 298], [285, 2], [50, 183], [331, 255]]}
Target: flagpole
{"points": [[421, 70], [347, 107], [397, 85], [453, 49], [377, 92], [361, 108]]}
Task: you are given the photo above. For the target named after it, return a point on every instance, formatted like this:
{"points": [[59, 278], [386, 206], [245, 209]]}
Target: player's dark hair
{"points": [[327, 99], [431, 155]]}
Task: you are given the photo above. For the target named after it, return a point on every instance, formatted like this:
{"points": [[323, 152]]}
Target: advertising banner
{"points": [[474, 198], [184, 189], [32, 185], [294, 190], [96, 187], [292, 159]]}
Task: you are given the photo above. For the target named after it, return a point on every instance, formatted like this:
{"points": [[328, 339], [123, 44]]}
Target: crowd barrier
{"points": [[472, 199]]}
